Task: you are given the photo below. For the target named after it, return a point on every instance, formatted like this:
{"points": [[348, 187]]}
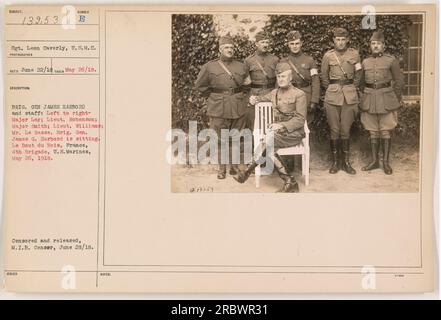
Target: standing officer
{"points": [[341, 73], [304, 72], [262, 66], [289, 105], [225, 82], [380, 99]]}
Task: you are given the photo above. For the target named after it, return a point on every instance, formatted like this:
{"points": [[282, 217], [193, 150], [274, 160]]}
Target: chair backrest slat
{"points": [[272, 114], [264, 117]]}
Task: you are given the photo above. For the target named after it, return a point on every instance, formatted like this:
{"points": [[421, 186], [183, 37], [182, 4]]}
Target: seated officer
{"points": [[289, 104]]}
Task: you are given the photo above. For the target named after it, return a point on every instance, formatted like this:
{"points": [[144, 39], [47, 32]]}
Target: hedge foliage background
{"points": [[195, 42]]}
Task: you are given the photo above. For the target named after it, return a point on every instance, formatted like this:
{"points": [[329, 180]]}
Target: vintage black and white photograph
{"points": [[221, 149], [296, 103]]}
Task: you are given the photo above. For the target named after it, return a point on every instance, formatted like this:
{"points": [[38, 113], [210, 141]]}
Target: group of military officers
{"points": [[372, 86]]}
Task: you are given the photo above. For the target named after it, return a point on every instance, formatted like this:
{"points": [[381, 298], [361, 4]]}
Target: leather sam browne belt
{"points": [[342, 82], [301, 84], [377, 85], [286, 114], [229, 91], [269, 85]]}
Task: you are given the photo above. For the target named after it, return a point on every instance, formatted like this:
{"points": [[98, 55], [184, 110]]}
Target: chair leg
{"points": [[257, 176], [303, 164], [307, 167]]}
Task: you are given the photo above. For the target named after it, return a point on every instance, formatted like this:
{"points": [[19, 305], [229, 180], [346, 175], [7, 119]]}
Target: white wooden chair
{"points": [[263, 118]]}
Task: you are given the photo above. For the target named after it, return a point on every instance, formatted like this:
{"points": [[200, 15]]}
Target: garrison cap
{"points": [[225, 40], [282, 67], [293, 35], [377, 36], [262, 35], [341, 32]]}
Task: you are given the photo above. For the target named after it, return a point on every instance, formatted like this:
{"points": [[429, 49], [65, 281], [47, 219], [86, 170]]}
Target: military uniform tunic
{"points": [[261, 83], [226, 103], [306, 77], [225, 98], [382, 82], [340, 74], [289, 106]]}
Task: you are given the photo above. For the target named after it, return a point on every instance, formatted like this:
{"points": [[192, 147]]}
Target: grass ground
{"points": [[404, 161]]}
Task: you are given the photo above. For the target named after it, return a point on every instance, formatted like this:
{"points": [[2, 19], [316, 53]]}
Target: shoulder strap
{"points": [[295, 69], [228, 72], [339, 64], [225, 68], [261, 68]]}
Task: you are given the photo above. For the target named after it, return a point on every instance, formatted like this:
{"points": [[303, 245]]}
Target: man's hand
{"points": [[276, 127], [253, 100], [313, 106]]}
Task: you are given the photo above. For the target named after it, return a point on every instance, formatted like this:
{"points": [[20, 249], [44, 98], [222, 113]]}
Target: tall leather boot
{"points": [[375, 163], [222, 171], [243, 176], [346, 165], [386, 150], [289, 161], [334, 154], [290, 184]]}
